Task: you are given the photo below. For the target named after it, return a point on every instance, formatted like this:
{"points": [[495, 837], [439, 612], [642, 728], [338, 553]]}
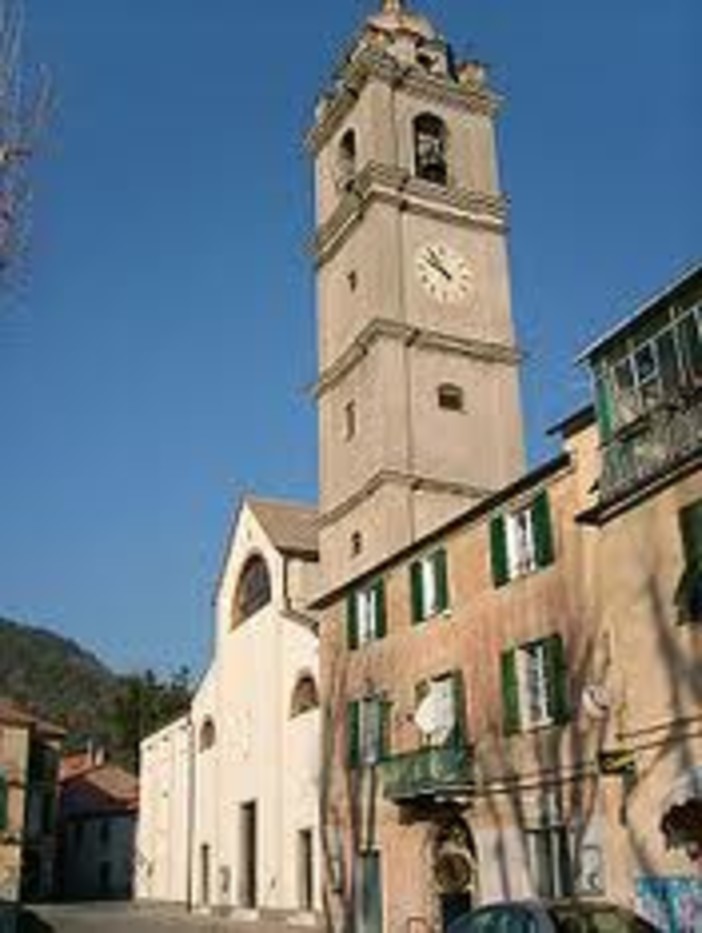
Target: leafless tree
{"points": [[25, 96]]}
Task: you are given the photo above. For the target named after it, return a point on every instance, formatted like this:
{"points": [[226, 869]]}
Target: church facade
{"points": [[228, 810]]}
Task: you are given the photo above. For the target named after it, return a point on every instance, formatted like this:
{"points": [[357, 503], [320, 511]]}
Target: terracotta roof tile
{"points": [[14, 715], [107, 788]]}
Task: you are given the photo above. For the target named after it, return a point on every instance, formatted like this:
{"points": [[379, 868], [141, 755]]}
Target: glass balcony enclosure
{"points": [[430, 771], [648, 393]]}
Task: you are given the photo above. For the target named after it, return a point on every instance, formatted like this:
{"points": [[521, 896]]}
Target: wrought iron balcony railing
{"points": [[428, 772], [653, 445]]}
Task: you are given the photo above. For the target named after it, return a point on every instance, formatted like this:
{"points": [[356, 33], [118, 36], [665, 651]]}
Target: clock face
{"points": [[444, 273]]}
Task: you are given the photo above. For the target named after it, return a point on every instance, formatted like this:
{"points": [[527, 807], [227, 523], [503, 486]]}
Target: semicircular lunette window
{"points": [[254, 589], [305, 696]]}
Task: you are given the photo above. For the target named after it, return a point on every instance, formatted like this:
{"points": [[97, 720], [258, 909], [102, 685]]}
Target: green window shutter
{"points": [[353, 734], [380, 615], [543, 534], [498, 551], [460, 732], [690, 519], [351, 621], [417, 588], [603, 408], [3, 802], [441, 577], [559, 707], [385, 726], [510, 693]]}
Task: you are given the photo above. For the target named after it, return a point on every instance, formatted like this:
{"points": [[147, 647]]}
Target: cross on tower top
{"points": [[393, 6]]}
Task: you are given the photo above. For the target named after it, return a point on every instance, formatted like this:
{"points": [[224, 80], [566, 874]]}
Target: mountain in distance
{"points": [[56, 679]]}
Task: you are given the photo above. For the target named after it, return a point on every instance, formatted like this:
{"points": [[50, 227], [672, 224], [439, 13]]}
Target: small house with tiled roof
{"points": [[98, 806]]}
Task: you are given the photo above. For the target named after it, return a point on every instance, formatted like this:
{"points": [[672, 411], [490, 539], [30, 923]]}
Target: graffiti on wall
{"points": [[671, 904]]}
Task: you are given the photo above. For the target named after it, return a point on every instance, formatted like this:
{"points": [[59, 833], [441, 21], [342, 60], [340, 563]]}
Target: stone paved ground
{"points": [[120, 918]]}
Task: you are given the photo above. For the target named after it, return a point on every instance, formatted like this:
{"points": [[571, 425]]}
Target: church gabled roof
{"points": [[291, 526]]}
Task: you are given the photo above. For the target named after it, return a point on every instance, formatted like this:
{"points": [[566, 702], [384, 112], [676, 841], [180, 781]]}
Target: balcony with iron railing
{"points": [[655, 443], [428, 772]]}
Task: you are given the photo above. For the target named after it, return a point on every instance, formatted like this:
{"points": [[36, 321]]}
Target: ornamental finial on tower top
{"points": [[394, 17]]}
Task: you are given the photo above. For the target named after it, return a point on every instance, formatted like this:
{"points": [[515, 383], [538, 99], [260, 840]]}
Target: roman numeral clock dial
{"points": [[444, 273]]}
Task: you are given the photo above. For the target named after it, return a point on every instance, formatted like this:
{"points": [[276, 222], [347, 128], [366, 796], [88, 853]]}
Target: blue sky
{"points": [[155, 365]]}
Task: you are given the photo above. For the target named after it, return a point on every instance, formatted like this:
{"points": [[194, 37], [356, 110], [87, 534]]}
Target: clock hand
{"points": [[438, 265]]}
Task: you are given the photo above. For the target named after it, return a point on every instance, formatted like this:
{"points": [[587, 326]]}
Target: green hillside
{"points": [[57, 679]]}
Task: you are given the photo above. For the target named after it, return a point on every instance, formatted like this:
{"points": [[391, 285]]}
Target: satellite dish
{"points": [[425, 716], [596, 700]]}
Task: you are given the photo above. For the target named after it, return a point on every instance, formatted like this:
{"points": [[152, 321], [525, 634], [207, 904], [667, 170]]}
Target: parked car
{"points": [[555, 917]]}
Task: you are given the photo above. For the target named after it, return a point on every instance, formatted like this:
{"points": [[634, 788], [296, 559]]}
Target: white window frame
{"points": [[533, 684], [521, 544], [430, 603], [367, 615], [430, 589]]}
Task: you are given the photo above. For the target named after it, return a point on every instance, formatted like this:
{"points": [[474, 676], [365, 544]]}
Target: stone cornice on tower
{"points": [[383, 328], [398, 187], [415, 481], [467, 92]]}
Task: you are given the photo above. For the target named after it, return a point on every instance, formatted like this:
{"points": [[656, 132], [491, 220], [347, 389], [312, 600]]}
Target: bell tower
{"points": [[418, 382]]}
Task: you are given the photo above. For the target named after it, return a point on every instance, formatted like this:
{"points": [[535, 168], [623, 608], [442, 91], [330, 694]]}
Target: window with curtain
{"points": [[535, 685], [521, 541]]}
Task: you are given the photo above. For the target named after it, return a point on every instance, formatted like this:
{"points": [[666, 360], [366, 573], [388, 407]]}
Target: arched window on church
{"points": [[253, 590], [346, 160], [208, 735], [430, 144], [305, 696]]}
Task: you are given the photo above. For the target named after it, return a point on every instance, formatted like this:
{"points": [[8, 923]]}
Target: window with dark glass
{"points": [[254, 589], [430, 138], [450, 397], [105, 832], [688, 596], [346, 160], [208, 735], [356, 543], [350, 420]]}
